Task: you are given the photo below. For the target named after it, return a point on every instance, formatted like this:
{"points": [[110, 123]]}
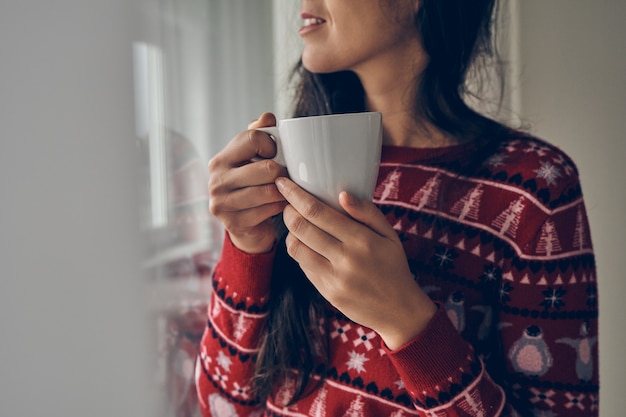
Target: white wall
{"points": [[573, 92], [72, 335]]}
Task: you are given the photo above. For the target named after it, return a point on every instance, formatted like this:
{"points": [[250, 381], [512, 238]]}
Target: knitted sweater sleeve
{"points": [[548, 313], [542, 358], [236, 318]]}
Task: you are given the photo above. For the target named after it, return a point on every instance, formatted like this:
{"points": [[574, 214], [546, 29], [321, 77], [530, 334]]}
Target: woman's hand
{"points": [[242, 192], [357, 264]]}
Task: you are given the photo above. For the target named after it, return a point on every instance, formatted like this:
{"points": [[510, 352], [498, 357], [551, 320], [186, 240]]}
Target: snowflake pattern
{"points": [[539, 149], [357, 361], [553, 298], [219, 378], [444, 257], [400, 384], [548, 172], [224, 361], [364, 338], [240, 391], [575, 400], [206, 359], [340, 331], [595, 402], [566, 165], [592, 296], [495, 160], [505, 289], [492, 274], [542, 397]]}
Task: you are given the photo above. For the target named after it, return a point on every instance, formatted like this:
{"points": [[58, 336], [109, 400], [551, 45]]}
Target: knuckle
{"points": [[270, 168], [269, 191], [213, 164], [293, 246], [214, 207], [297, 224], [253, 138], [215, 184], [313, 209]]}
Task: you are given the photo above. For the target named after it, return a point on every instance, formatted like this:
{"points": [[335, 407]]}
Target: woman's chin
{"points": [[319, 65]]}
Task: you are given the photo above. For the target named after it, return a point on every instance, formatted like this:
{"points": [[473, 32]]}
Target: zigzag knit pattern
{"points": [[506, 253]]}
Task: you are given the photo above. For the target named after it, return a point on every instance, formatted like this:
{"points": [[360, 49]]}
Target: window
{"points": [[203, 69]]}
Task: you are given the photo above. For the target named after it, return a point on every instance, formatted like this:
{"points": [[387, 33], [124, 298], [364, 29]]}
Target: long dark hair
{"points": [[457, 36]]}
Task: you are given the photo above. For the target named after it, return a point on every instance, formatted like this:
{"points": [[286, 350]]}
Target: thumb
{"points": [[367, 213], [265, 120]]}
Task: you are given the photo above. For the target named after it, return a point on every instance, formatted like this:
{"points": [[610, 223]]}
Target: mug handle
{"points": [[273, 132]]}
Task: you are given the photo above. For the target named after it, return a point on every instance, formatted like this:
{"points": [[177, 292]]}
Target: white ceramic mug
{"points": [[329, 154]]}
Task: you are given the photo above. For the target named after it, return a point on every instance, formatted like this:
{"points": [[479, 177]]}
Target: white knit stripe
{"points": [[465, 392], [223, 304], [494, 184], [481, 226], [411, 411], [229, 340], [284, 411]]}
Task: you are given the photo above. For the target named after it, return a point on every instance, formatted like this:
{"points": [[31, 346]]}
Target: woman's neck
{"points": [[390, 89], [404, 128]]}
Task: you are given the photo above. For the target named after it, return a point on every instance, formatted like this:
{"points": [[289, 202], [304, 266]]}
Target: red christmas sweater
{"points": [[505, 252]]}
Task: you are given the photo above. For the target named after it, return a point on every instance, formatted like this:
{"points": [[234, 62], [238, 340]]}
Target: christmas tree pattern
{"points": [[318, 408], [388, 189], [216, 309], [472, 404], [286, 391], [467, 207], [579, 231], [549, 239], [241, 325], [507, 222], [428, 194], [356, 408]]}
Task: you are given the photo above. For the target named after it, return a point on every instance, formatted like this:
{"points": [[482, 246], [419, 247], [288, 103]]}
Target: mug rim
{"points": [[333, 115]]}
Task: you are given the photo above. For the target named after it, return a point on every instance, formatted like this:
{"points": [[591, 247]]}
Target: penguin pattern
{"points": [[455, 308], [530, 354], [484, 329], [584, 357]]}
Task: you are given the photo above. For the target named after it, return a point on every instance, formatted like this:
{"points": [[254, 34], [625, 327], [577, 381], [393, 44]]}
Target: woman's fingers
{"points": [[308, 259], [265, 120], [334, 223], [242, 193], [245, 220], [309, 234], [250, 197], [368, 214], [313, 222], [249, 175], [243, 148]]}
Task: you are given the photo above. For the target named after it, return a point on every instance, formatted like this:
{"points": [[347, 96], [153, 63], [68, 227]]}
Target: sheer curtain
{"points": [[203, 70]]}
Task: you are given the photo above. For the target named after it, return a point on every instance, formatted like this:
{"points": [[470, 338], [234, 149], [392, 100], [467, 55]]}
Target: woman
{"points": [[466, 289]]}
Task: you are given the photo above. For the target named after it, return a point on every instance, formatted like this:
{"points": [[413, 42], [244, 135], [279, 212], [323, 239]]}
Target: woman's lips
{"points": [[310, 23]]}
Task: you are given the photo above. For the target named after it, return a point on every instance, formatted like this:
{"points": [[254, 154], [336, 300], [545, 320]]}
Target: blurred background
{"points": [[110, 111]]}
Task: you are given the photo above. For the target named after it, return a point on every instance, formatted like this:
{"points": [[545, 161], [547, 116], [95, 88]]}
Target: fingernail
{"points": [[349, 199], [280, 183]]}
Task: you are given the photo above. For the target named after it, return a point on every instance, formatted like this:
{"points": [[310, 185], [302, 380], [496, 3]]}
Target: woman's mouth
{"points": [[310, 23]]}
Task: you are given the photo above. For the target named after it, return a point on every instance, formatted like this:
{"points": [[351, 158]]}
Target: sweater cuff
{"points": [[243, 277], [436, 358]]}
